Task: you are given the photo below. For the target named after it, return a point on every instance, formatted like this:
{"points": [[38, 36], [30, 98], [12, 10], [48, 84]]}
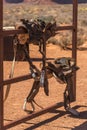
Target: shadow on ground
{"points": [[34, 126], [81, 127], [83, 115]]}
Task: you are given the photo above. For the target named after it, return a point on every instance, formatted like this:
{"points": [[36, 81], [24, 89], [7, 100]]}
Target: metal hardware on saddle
{"points": [[44, 82], [42, 78], [34, 73]]}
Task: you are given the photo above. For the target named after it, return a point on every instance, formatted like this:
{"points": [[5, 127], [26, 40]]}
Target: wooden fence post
{"points": [[1, 65], [74, 43]]}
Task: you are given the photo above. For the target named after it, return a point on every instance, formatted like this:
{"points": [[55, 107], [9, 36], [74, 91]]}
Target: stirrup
{"points": [[72, 111], [25, 109]]}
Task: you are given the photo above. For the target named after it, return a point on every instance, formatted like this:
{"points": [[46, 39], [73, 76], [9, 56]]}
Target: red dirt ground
{"points": [[57, 119]]}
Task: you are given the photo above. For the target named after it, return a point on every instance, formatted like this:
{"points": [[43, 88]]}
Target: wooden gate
{"points": [[4, 33]]}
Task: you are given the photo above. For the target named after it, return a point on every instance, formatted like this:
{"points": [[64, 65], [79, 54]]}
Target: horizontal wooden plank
{"points": [[33, 115], [17, 79], [10, 31]]}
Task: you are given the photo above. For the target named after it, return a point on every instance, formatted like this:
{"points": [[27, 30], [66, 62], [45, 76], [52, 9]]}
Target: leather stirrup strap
{"points": [[12, 68]]}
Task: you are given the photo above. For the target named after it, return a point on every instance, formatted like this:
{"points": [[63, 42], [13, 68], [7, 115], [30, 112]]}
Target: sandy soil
{"points": [[57, 119]]}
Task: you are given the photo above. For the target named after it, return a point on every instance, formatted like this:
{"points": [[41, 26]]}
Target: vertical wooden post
{"points": [[74, 43], [1, 65]]}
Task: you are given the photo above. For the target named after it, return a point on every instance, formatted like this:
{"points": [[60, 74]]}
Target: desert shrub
{"points": [[52, 40], [80, 41], [63, 40], [84, 23], [81, 36]]}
